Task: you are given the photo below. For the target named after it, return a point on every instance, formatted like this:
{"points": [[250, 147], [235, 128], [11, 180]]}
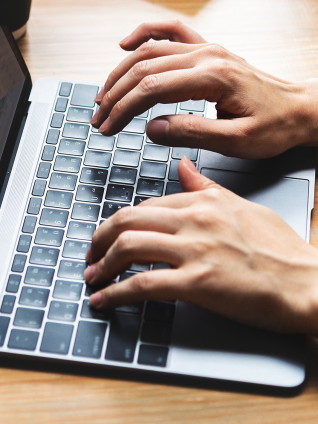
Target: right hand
{"points": [[259, 115]]}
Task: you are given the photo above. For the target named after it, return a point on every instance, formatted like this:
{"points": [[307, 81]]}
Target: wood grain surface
{"points": [[79, 39]]}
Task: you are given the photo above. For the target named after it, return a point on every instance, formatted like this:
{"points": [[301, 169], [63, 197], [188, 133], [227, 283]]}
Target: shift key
{"points": [[124, 329]]}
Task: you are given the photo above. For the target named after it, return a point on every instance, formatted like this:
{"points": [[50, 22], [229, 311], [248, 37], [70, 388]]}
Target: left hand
{"points": [[229, 255]]}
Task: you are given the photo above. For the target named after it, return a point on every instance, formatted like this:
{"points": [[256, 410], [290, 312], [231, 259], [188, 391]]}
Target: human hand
{"points": [[259, 115], [231, 256]]}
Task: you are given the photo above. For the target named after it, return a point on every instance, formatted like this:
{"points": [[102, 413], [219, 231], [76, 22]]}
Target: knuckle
{"points": [[215, 50], [122, 217], [124, 241], [149, 84], [140, 282], [140, 69], [145, 49]]}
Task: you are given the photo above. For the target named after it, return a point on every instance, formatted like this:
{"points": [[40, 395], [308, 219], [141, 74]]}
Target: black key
{"points": [[156, 332], [98, 159], [136, 125], [123, 175], [79, 131], [93, 176], [75, 249], [34, 296], [37, 276], [7, 304], [4, 324], [84, 95], [52, 136], [156, 153], [48, 153], [153, 170], [44, 256], [54, 217], [65, 89], [56, 338], [13, 283], [159, 311], [88, 312], [85, 212], [23, 339], [67, 163], [49, 236], [63, 181], [24, 243], [29, 224], [81, 230], [57, 120], [71, 269], [180, 152], [173, 171], [18, 263], [67, 290], [90, 194], [173, 188], [43, 170], [130, 141], [161, 265], [150, 187], [71, 147], [193, 105], [61, 104], [101, 142], [63, 311], [131, 309], [126, 158], [110, 208], [79, 114], [34, 205], [58, 199], [123, 337], [89, 339], [139, 199], [39, 187], [163, 109], [29, 318], [122, 193], [153, 355]]}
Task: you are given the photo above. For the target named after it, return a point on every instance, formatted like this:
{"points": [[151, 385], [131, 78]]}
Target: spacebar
{"points": [[124, 329]]}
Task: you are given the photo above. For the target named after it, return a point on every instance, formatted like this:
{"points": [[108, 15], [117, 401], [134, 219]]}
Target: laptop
{"points": [[60, 179]]}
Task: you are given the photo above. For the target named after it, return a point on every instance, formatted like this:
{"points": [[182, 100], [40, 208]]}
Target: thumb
{"points": [[191, 179]]}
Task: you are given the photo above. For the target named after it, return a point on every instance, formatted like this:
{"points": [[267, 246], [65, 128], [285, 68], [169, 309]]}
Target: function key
{"points": [[48, 153], [43, 170], [101, 142], [57, 120], [13, 283], [52, 136], [84, 95], [29, 224], [79, 114], [65, 89], [24, 243], [23, 339], [81, 230], [4, 324], [61, 104], [18, 263], [7, 304], [39, 187]]}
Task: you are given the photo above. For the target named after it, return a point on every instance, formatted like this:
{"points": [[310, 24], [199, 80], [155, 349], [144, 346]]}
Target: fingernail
{"points": [[99, 96], [95, 300], [157, 128], [189, 164], [94, 119], [104, 126], [89, 273], [124, 40]]}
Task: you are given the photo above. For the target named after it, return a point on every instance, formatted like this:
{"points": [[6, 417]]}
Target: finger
{"points": [[150, 285], [133, 77], [142, 247], [159, 219], [171, 30], [191, 179], [145, 52], [225, 136]]}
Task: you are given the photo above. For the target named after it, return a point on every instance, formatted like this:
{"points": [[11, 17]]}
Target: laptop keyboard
{"points": [[82, 179]]}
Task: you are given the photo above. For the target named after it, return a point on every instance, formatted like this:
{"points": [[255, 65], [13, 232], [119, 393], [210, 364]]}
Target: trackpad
{"points": [[288, 197]]}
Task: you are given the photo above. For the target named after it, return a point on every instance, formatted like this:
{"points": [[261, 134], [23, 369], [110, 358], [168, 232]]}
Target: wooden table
{"points": [[79, 39]]}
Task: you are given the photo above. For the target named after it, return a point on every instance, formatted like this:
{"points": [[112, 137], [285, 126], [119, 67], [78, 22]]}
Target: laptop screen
{"points": [[15, 85]]}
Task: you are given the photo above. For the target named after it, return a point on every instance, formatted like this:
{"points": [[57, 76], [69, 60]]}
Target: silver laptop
{"points": [[60, 179]]}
